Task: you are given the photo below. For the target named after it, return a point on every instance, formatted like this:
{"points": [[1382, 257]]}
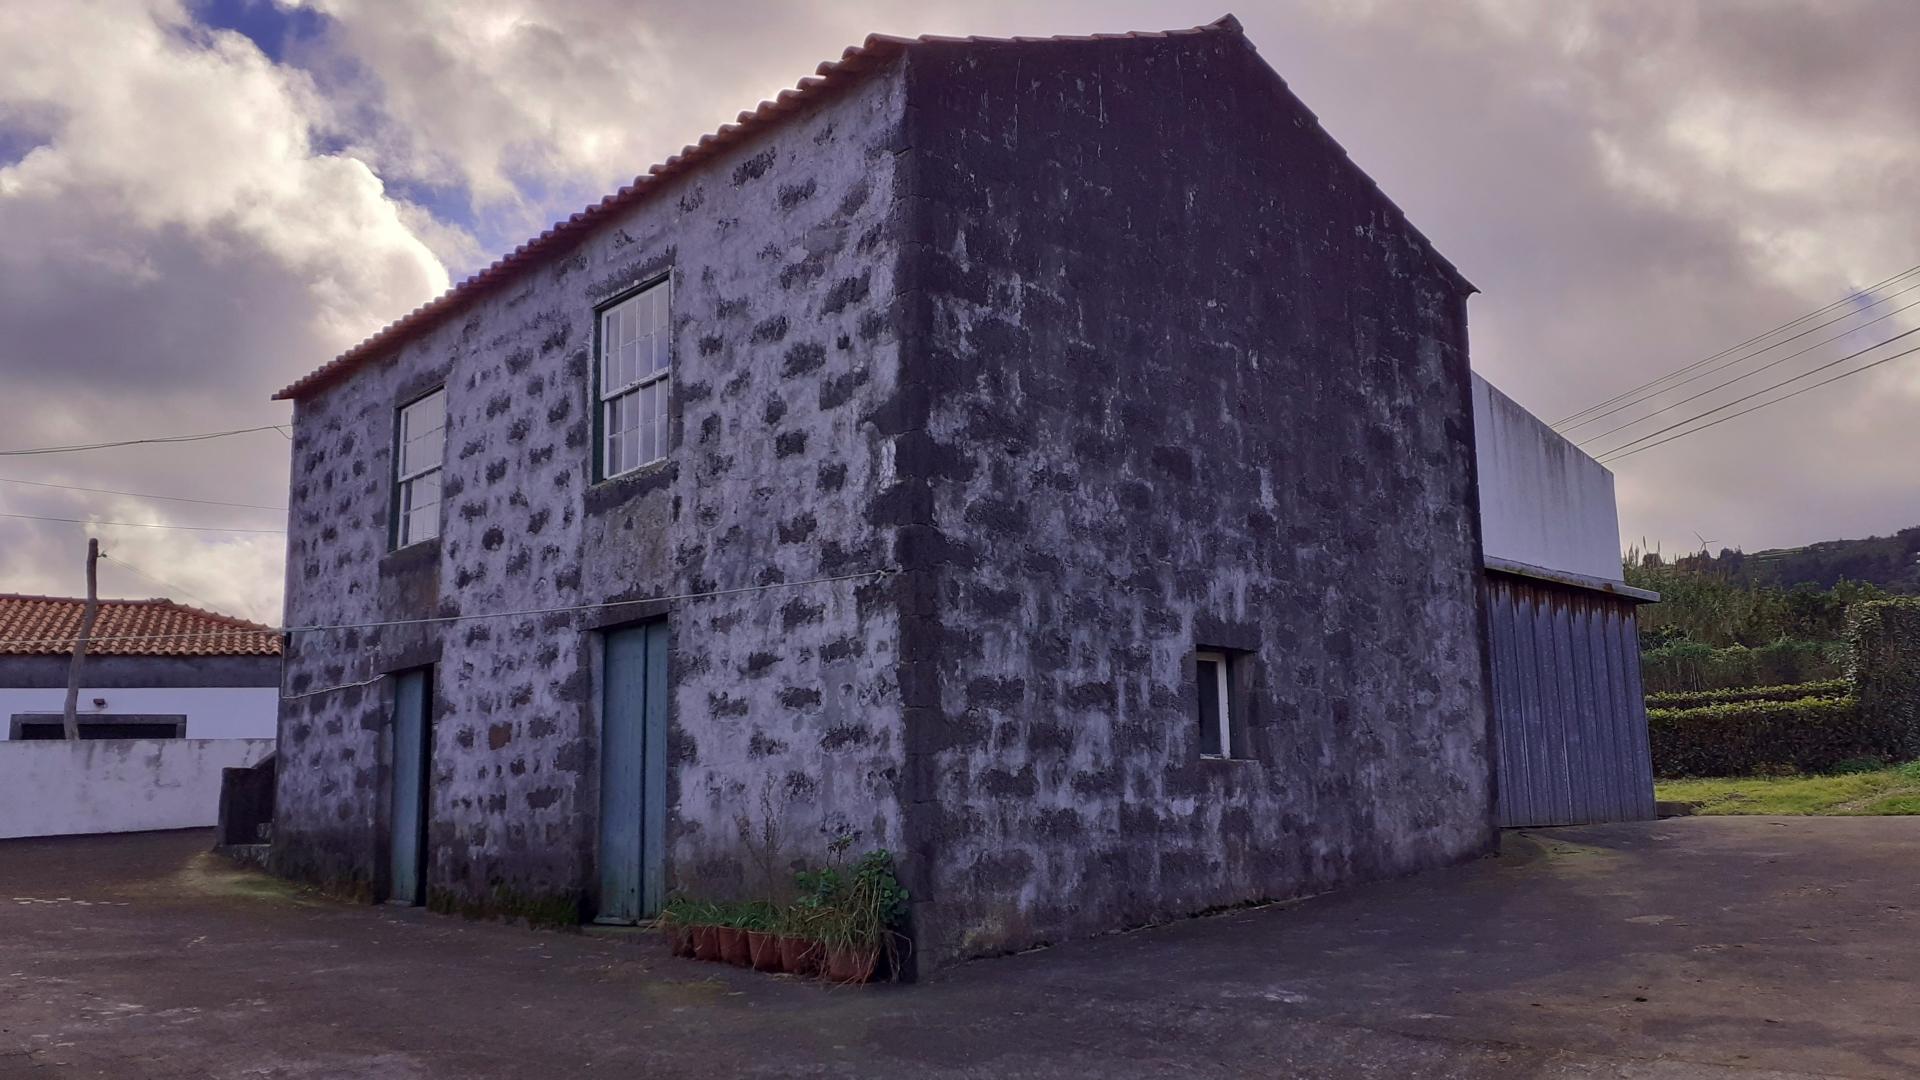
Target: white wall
{"points": [[116, 785], [1542, 501], [212, 712]]}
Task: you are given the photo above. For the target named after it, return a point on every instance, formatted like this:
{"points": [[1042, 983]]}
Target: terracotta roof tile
{"points": [[46, 625]]}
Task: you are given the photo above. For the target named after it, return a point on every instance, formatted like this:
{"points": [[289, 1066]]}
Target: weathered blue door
{"points": [[408, 786], [633, 774]]}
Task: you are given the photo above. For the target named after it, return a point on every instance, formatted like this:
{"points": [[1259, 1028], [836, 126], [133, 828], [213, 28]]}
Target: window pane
{"points": [[423, 433], [660, 419], [633, 340], [610, 439], [607, 378], [1207, 674], [420, 508]]}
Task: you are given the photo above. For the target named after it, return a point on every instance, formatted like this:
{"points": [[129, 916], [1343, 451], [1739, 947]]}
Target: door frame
{"points": [[656, 639], [401, 680]]}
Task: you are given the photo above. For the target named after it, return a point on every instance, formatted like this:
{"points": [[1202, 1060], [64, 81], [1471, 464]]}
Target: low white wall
{"points": [[212, 712], [116, 785], [1543, 502]]}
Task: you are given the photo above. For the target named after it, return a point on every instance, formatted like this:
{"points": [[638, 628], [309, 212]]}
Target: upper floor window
{"points": [[636, 361], [416, 469]]}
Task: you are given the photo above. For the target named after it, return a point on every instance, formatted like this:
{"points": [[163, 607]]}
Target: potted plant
{"points": [[733, 935], [850, 956], [799, 952], [676, 923], [702, 929], [854, 915], [763, 946]]}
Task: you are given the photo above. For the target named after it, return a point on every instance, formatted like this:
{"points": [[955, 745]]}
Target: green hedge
{"points": [[1689, 667], [1694, 699], [1759, 737], [1883, 639]]}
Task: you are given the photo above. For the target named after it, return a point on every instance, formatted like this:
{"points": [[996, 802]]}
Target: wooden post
{"points": [[87, 613]]}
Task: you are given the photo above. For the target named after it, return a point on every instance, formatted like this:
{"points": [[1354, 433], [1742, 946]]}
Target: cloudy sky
{"points": [[200, 201]]}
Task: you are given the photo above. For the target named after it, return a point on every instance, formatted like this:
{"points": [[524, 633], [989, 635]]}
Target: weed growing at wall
{"points": [[552, 911]]}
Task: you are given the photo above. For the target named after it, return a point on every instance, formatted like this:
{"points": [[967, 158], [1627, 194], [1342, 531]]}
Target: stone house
{"points": [[1047, 459]]}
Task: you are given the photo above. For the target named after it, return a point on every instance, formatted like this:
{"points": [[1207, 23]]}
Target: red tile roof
{"points": [[831, 76], [46, 625]]}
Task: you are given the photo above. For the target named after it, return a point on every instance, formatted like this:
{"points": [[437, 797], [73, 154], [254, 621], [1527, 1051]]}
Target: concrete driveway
{"points": [[1712, 947]]}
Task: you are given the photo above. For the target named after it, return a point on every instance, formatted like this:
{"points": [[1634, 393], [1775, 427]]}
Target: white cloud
{"points": [[177, 247], [1634, 186]]}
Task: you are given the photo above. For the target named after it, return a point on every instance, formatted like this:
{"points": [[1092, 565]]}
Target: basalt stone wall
{"points": [[782, 257], [1190, 382]]}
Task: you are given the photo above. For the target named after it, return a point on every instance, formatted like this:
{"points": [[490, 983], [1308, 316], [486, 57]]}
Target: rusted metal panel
{"points": [[1570, 722]]}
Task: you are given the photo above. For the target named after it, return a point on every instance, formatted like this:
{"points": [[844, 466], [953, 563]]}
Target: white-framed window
{"points": [[1214, 704], [416, 468], [636, 366]]}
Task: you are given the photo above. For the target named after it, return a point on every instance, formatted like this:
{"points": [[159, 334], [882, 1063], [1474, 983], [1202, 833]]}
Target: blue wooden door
{"points": [[633, 774], [408, 787]]}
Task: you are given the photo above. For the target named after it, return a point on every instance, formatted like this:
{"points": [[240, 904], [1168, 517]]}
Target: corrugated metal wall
{"points": [[1570, 721]]}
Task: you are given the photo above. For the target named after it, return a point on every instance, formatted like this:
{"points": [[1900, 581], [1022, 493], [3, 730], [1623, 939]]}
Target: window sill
{"points": [[420, 553], [656, 465], [1215, 759], [614, 491]]}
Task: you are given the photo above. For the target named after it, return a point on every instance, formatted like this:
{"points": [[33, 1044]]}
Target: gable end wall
{"points": [[1191, 382]]}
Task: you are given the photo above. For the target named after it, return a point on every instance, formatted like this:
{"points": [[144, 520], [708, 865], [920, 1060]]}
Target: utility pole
{"points": [[87, 613]]}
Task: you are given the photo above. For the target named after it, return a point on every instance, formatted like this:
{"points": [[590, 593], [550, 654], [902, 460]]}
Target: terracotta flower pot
{"points": [[851, 963], [679, 937], [733, 946], [764, 948], [799, 956], [706, 942]]}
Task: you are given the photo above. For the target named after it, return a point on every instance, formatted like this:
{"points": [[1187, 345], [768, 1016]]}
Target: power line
{"points": [[137, 442], [1738, 360], [1815, 371], [143, 524], [139, 494], [1764, 404], [1735, 348], [1721, 386], [203, 635]]}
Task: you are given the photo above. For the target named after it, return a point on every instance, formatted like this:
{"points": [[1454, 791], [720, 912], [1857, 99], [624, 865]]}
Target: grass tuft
{"points": [[1882, 791]]}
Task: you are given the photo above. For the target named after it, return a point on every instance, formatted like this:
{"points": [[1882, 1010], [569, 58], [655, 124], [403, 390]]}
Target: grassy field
{"points": [[1884, 791]]}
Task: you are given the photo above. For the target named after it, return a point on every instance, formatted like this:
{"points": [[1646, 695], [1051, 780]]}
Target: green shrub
{"points": [[1758, 738], [1693, 699], [1883, 638], [1690, 667]]}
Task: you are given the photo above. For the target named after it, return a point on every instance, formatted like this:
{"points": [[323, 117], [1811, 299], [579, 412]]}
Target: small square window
{"points": [[636, 366], [1214, 703], [421, 449]]}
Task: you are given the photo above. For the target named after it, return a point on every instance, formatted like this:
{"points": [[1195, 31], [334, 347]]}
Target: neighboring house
{"points": [[169, 695], [1570, 720], [1049, 460]]}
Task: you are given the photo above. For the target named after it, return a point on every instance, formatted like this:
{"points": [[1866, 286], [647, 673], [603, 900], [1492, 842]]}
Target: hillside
{"points": [[1891, 562]]}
